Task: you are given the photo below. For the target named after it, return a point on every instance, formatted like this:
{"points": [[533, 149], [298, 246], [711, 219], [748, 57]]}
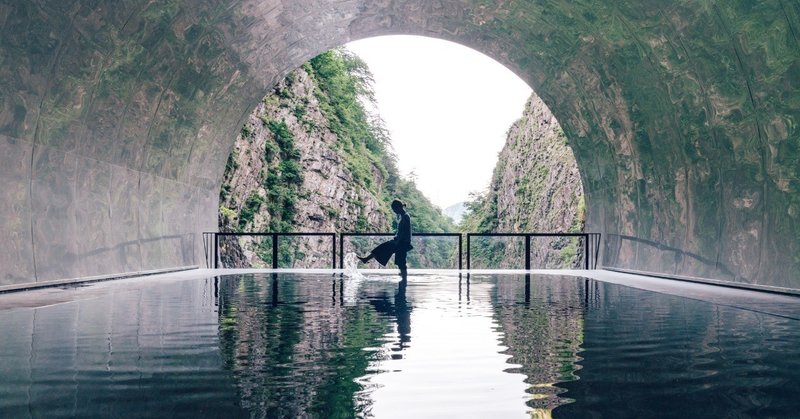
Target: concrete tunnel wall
{"points": [[117, 117]]}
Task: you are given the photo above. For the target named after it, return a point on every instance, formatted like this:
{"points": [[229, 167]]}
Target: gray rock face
{"points": [[536, 182], [328, 200], [536, 187], [116, 118]]}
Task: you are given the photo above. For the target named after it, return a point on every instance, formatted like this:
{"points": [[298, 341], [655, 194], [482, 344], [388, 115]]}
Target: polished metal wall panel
{"points": [[124, 208], [94, 218], [16, 245], [152, 225], [54, 204]]}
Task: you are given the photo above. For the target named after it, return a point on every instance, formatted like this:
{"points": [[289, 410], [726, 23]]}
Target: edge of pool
{"points": [[708, 281], [89, 279], [572, 272]]}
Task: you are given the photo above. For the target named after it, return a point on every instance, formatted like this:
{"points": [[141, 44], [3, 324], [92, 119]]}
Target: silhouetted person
{"points": [[399, 245]]}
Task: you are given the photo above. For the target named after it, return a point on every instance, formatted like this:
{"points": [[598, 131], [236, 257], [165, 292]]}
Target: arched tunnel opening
{"points": [[117, 121], [318, 155]]}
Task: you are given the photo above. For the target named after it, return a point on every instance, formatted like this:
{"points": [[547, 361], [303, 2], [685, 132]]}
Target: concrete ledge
{"points": [[89, 279], [709, 281]]}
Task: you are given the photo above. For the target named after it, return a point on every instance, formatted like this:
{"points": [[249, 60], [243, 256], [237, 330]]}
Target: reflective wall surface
{"points": [[116, 119], [72, 216]]}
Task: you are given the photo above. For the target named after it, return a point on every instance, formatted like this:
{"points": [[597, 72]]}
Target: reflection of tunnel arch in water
{"points": [[116, 121]]}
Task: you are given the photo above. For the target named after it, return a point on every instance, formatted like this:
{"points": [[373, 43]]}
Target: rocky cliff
{"points": [[536, 187], [310, 158]]}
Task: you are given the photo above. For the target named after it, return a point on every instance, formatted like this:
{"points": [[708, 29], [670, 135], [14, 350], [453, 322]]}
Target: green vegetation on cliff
{"points": [[481, 214], [342, 79], [312, 157], [281, 180]]}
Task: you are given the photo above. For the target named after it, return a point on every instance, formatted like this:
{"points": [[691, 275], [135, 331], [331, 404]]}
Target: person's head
{"points": [[398, 206]]}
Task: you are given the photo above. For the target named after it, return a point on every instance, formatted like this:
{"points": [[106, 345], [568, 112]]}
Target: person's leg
{"points": [[366, 258]]}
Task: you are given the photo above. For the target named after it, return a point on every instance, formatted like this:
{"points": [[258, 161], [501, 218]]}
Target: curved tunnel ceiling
{"points": [[117, 118]]}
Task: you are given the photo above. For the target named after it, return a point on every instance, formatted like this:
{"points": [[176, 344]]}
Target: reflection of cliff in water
{"points": [[297, 347], [542, 323]]}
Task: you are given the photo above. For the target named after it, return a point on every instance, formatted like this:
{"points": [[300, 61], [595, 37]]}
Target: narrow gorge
{"points": [[311, 158], [536, 187]]}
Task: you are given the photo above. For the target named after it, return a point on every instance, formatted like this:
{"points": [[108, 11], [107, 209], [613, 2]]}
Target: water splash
{"points": [[351, 266]]}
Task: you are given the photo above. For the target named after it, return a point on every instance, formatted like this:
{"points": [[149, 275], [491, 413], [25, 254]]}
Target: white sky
{"points": [[447, 107]]}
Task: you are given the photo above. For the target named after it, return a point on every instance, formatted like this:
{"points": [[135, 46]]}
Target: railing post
{"points": [[527, 252], [216, 250], [333, 251], [274, 251], [469, 261], [206, 258], [598, 241]]}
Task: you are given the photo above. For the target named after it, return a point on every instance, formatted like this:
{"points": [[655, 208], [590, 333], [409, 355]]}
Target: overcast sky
{"points": [[447, 107]]}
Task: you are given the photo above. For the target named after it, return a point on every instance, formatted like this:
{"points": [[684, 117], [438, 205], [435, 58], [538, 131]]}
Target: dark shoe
{"points": [[363, 259]]}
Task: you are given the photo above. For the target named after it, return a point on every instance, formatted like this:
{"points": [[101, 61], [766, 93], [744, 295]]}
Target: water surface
{"points": [[316, 345]]}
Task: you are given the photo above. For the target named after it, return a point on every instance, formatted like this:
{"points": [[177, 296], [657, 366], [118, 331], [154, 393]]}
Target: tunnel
{"points": [[117, 117]]}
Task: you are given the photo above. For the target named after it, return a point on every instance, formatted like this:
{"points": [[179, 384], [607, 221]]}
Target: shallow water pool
{"points": [[319, 345]]}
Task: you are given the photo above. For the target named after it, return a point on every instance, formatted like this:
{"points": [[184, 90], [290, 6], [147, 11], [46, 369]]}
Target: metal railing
{"points": [[343, 236], [591, 245], [212, 239]]}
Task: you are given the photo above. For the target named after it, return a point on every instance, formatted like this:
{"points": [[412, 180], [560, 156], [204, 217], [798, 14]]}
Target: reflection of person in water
{"points": [[399, 245], [403, 314], [400, 310]]}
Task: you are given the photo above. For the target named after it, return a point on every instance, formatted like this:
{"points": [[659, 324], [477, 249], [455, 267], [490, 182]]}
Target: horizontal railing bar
{"points": [[414, 234], [392, 234], [277, 234], [528, 234]]}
